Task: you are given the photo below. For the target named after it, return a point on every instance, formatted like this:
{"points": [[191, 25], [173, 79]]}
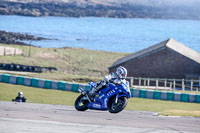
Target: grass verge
{"points": [[48, 96], [180, 113], [160, 105], [78, 62], [37, 95]]}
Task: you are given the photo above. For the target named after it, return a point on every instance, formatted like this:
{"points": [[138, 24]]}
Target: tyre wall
{"points": [[25, 68], [66, 86]]}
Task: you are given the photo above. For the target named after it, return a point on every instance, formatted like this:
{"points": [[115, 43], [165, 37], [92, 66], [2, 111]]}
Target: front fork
{"points": [[83, 92], [116, 99]]}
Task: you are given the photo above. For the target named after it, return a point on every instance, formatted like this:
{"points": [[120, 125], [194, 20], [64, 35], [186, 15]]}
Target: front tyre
{"points": [[119, 106], [81, 104]]}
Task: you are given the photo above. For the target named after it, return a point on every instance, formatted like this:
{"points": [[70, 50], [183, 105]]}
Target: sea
{"points": [[126, 35]]}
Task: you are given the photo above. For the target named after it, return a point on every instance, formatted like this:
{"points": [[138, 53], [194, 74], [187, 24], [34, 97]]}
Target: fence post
{"points": [[165, 84], [29, 51], [156, 83], [148, 82], [4, 51], [198, 87], [144, 83], [170, 85], [131, 81], [15, 52], [191, 85], [174, 84], [183, 85], [199, 81], [139, 82]]}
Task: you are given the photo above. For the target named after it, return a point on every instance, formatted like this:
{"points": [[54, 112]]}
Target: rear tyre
{"points": [[81, 104], [117, 107]]}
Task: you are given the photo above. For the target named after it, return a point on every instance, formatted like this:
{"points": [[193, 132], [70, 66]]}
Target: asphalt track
{"points": [[45, 118]]}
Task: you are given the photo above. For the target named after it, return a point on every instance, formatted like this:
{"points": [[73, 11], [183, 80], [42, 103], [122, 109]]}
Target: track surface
{"points": [[44, 118]]}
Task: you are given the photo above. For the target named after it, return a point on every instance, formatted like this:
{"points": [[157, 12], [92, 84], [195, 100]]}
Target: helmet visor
{"points": [[123, 75]]}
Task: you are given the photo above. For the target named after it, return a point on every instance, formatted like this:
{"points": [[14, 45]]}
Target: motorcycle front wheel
{"points": [[81, 104], [119, 106]]}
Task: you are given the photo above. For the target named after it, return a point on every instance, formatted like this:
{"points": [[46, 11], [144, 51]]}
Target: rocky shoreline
{"points": [[17, 38]]}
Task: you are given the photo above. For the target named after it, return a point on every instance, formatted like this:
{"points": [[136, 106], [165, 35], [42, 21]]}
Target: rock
{"points": [[13, 38]]}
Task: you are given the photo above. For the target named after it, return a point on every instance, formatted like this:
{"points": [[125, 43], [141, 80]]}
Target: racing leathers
{"points": [[19, 99], [111, 78]]}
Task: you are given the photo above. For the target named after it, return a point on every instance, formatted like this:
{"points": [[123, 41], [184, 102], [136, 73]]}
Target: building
{"points": [[168, 59]]}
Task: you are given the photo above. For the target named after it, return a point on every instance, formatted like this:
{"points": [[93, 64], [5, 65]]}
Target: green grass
{"points": [[69, 61], [159, 105], [37, 95], [180, 113], [47, 96]]}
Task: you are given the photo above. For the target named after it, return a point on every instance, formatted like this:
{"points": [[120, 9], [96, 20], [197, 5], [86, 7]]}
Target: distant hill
{"points": [[163, 9]]}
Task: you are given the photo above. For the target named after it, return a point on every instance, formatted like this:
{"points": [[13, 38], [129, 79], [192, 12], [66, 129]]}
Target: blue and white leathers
{"points": [[107, 93]]}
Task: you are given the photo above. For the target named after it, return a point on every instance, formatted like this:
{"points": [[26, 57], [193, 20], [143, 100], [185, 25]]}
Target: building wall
{"points": [[165, 63]]}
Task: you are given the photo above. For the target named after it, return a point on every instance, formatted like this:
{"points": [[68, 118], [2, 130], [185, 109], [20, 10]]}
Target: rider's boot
{"points": [[94, 90]]}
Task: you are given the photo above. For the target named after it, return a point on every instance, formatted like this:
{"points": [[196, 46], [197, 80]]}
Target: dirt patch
{"points": [[10, 51], [46, 55]]}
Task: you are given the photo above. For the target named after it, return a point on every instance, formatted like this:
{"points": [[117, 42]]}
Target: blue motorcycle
{"points": [[110, 97]]}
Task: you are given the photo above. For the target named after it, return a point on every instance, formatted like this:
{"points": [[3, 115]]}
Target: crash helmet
{"points": [[20, 94], [121, 72]]}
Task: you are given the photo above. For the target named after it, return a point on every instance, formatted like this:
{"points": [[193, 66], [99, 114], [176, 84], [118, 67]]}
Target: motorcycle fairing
{"points": [[103, 96]]}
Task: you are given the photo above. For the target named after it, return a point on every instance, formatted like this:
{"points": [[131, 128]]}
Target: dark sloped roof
{"points": [[170, 43]]}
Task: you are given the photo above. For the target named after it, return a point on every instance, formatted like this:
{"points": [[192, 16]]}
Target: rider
{"points": [[20, 97], [117, 78]]}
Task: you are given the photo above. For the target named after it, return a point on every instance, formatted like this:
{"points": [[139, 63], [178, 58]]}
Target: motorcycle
{"points": [[111, 97]]}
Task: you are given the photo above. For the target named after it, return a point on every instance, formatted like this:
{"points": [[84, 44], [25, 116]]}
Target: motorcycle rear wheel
{"points": [[80, 104], [119, 106]]}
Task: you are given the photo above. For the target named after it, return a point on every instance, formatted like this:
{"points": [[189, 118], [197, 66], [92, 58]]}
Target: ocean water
{"points": [[107, 34]]}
